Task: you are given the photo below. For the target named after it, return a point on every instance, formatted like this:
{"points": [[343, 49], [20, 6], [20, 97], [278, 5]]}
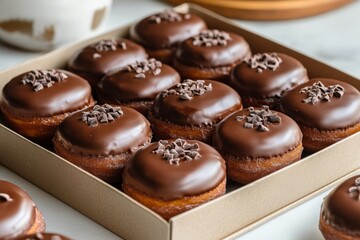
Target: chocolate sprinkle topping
{"points": [[319, 92], [178, 150], [259, 119], [101, 114], [354, 190], [168, 16], [188, 89], [264, 61], [108, 45], [39, 79], [5, 197], [144, 66], [209, 38]]}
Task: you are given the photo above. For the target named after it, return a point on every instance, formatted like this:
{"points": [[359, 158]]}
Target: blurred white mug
{"points": [[46, 24]]}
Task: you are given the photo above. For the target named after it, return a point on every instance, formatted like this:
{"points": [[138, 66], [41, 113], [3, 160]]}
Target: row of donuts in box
{"points": [[179, 171]]}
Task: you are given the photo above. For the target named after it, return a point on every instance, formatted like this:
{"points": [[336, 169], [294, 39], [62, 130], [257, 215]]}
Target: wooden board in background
{"points": [[267, 9]]}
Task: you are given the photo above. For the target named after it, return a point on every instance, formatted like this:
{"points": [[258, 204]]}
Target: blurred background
{"points": [[332, 37]]}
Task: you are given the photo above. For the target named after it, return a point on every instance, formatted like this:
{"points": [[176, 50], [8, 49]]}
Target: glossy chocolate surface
{"points": [[149, 173], [17, 214], [43, 236], [124, 86], [84, 60], [232, 138], [214, 56], [268, 83], [336, 114], [68, 95], [341, 209], [205, 109], [166, 34], [123, 134]]}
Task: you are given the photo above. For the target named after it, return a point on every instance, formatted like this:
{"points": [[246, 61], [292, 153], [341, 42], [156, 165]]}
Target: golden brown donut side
{"points": [[314, 139], [168, 209], [107, 168], [251, 169], [38, 129]]}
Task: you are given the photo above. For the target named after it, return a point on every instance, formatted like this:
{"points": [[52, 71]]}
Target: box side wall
{"points": [[290, 206]]}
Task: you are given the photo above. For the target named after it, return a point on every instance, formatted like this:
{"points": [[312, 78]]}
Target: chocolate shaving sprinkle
{"points": [[354, 190], [144, 66], [188, 89], [96, 55], [109, 45], [5, 197], [40, 79], [209, 38], [319, 92], [101, 114], [168, 16], [259, 119], [178, 150], [264, 61]]}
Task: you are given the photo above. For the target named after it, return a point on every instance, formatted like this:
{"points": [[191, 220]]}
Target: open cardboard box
{"points": [[239, 210]]}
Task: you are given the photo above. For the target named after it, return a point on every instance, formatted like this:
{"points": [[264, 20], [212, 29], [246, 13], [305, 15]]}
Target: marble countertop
{"points": [[332, 38]]}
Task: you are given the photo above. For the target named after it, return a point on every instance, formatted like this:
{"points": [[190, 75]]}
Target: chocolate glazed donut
{"points": [[339, 217], [18, 213], [210, 55], [195, 173], [161, 33]]}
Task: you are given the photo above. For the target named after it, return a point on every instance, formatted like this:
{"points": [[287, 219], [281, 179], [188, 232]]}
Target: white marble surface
{"points": [[332, 37]]}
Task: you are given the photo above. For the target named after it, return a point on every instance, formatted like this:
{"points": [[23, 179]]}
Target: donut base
{"points": [[39, 224], [220, 74], [37, 129], [164, 55], [169, 209], [107, 168], [250, 169], [272, 102], [330, 233], [141, 106], [163, 129], [92, 78], [315, 139]]}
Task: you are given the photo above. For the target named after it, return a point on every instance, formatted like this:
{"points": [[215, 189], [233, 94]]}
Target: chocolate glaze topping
{"points": [[234, 138], [140, 81], [223, 50], [124, 134], [341, 208], [205, 109], [337, 113], [67, 95], [17, 211], [151, 174], [166, 29], [272, 80], [107, 55], [43, 236]]}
